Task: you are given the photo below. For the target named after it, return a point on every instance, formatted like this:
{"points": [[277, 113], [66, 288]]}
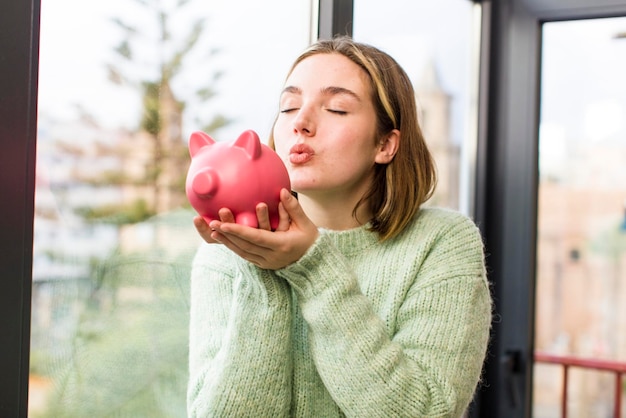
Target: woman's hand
{"points": [[203, 227], [269, 250]]}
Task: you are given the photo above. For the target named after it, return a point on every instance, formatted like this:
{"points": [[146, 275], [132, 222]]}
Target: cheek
{"points": [[355, 142], [280, 144]]}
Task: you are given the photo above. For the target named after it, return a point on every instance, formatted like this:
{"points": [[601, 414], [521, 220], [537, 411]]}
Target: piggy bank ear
{"points": [[250, 143], [199, 140]]}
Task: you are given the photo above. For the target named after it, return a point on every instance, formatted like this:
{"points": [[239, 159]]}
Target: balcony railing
{"points": [[617, 368]]}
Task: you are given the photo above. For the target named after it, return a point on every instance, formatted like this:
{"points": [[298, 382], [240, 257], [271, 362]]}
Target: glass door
{"points": [[580, 319]]}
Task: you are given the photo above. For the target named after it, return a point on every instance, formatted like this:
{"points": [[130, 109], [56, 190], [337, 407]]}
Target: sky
{"points": [[584, 78], [77, 39], [258, 42], [583, 90]]}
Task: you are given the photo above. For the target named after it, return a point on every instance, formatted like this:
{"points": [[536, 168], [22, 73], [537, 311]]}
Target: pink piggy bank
{"points": [[236, 175]]}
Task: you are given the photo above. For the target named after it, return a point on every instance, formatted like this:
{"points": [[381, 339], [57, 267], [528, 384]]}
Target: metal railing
{"points": [[618, 368]]}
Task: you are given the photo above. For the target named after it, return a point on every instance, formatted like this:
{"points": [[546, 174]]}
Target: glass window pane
{"points": [[122, 86], [434, 43], [581, 241]]}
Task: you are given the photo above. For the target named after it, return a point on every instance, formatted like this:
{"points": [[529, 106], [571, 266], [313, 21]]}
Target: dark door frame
{"points": [[506, 185], [19, 49]]}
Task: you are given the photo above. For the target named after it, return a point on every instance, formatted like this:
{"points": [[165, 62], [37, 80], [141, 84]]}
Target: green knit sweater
{"points": [[355, 328]]}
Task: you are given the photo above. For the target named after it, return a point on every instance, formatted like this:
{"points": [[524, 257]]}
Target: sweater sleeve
{"points": [[430, 363], [239, 342]]}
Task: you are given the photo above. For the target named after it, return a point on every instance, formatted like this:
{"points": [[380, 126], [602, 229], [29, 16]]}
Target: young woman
{"points": [[361, 303]]}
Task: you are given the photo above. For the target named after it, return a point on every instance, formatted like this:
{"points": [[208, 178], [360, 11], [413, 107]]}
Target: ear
{"points": [[388, 147], [199, 140], [251, 143]]}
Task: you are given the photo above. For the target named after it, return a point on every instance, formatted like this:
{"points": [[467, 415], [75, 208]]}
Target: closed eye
{"points": [[338, 112], [291, 109]]}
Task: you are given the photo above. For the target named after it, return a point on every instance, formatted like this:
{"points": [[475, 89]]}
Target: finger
{"points": [[226, 215], [203, 229], [292, 207], [283, 218], [250, 240], [263, 216], [241, 247]]}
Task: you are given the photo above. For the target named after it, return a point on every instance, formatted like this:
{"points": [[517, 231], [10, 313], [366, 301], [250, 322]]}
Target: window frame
{"points": [[19, 50]]}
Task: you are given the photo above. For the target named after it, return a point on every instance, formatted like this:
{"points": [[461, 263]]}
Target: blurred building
{"points": [[434, 107]]}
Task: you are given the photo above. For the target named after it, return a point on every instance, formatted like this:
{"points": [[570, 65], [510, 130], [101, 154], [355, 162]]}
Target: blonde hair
{"points": [[400, 187]]}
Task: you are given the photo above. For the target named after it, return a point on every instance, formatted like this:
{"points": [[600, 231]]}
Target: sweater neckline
{"points": [[353, 240]]}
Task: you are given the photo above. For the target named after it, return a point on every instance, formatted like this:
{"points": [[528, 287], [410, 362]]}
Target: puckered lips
{"points": [[300, 154]]}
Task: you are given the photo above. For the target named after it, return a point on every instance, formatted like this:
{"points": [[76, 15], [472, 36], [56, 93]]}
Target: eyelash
{"points": [[337, 112]]}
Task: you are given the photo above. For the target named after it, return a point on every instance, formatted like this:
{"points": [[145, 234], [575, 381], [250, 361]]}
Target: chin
{"points": [[303, 189], [301, 183]]}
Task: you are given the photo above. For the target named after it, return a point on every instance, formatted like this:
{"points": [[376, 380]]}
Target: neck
{"points": [[334, 214]]}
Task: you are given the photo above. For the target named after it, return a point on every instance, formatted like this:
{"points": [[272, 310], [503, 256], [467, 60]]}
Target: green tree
{"points": [[150, 63]]}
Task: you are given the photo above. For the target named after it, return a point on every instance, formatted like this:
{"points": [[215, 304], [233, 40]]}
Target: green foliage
{"points": [[164, 53], [610, 242], [39, 361], [136, 211], [128, 354], [170, 50], [216, 123], [151, 119], [108, 178]]}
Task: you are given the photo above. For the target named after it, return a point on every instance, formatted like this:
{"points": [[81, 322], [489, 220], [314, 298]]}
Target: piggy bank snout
{"points": [[205, 183], [235, 175]]}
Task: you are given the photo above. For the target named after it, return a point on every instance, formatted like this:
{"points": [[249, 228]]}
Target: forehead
{"points": [[320, 71]]}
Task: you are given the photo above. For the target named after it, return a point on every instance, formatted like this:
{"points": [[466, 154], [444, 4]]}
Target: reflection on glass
{"points": [[121, 89], [433, 42], [581, 247]]}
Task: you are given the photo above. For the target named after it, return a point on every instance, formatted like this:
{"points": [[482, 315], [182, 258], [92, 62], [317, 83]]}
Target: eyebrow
{"points": [[330, 90]]}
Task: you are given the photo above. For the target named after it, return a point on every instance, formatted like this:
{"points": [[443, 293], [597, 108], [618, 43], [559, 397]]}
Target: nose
{"points": [[304, 123]]}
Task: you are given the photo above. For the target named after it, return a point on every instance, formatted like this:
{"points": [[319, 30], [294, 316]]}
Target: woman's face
{"points": [[326, 129]]}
